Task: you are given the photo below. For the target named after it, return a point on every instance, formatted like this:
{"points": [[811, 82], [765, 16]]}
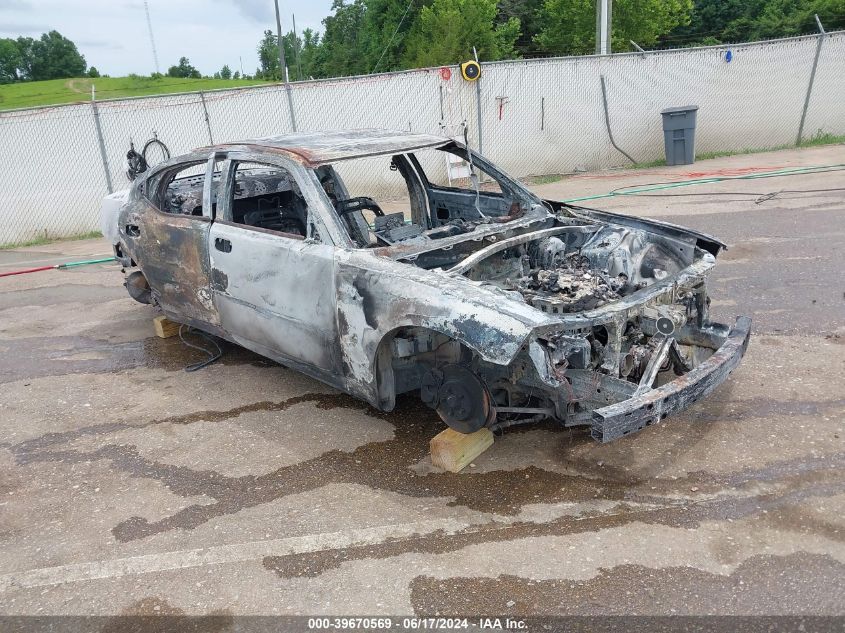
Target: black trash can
{"points": [[679, 134]]}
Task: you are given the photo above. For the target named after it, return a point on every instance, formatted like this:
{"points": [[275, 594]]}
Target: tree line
{"points": [[366, 36], [52, 56]]}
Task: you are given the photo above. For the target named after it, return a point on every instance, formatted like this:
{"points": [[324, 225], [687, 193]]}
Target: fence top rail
{"points": [[675, 51], [433, 69]]}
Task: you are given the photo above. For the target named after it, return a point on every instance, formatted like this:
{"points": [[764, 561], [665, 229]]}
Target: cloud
{"points": [[17, 29], [261, 11], [100, 44], [15, 5]]}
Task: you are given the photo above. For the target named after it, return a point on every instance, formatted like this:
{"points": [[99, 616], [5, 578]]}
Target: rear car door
{"points": [[166, 233], [272, 275]]}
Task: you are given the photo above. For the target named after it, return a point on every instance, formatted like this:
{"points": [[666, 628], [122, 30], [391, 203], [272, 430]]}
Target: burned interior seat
{"points": [[268, 199], [275, 220], [282, 211]]}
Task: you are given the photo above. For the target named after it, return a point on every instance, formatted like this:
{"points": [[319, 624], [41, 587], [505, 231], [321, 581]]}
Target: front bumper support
{"points": [[614, 421]]}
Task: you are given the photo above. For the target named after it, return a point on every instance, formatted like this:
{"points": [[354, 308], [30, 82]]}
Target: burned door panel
{"points": [[275, 292], [172, 252]]}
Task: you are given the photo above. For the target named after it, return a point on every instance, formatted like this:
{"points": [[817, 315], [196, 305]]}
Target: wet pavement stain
{"points": [[680, 513], [797, 519], [766, 585], [762, 408], [156, 615], [66, 293], [38, 357], [387, 465], [172, 355], [381, 465]]}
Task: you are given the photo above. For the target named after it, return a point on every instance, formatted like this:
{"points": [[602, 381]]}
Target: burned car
{"points": [[498, 307]]}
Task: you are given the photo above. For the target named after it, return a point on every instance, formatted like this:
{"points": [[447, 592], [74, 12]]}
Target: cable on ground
{"points": [[212, 356], [631, 190]]}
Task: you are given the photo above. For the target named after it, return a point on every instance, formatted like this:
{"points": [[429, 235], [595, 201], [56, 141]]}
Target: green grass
{"points": [[45, 239], [56, 91], [817, 140], [660, 162], [546, 179], [822, 138]]}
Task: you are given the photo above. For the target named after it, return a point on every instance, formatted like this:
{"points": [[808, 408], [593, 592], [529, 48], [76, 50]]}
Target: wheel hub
{"points": [[459, 397]]}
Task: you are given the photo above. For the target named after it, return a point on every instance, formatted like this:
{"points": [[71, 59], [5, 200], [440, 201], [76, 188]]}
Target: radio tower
{"points": [[150, 29]]}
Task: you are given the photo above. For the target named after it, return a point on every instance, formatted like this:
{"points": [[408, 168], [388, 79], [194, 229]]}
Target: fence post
{"points": [[290, 103], [478, 115], [205, 115], [283, 66], [812, 80], [100, 140]]}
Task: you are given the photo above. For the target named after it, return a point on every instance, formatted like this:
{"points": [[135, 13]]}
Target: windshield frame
{"points": [[536, 210]]}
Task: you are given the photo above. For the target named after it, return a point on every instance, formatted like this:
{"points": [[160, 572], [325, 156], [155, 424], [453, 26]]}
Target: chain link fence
{"points": [[532, 117]]}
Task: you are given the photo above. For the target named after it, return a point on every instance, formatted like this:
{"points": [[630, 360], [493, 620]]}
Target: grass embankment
{"points": [[46, 239], [57, 91]]}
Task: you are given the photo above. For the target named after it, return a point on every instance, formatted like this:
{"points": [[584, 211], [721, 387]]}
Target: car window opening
{"points": [[417, 197], [268, 197], [182, 193]]}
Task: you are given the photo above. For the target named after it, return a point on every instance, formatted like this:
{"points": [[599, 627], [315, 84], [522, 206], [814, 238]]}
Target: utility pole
{"points": [[284, 66], [822, 34], [604, 10], [296, 49], [152, 39]]}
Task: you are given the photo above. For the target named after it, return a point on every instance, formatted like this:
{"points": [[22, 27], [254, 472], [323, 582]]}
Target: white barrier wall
{"points": [[537, 117]]}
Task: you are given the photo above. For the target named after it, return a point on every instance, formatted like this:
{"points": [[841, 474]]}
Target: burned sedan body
{"points": [[498, 307]]}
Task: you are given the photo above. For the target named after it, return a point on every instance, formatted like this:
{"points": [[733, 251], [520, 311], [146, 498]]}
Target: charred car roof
{"points": [[319, 148]]}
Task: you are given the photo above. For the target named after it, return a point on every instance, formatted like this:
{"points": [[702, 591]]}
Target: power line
{"points": [[398, 26]]}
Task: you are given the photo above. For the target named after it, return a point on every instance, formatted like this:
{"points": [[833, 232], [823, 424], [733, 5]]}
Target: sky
{"points": [[112, 34]]}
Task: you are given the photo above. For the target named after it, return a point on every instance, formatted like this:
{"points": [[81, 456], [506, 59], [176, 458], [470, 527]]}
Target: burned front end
{"points": [[624, 336]]}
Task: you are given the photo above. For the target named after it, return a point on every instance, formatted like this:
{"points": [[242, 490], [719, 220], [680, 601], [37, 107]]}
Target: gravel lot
{"points": [[128, 486]]}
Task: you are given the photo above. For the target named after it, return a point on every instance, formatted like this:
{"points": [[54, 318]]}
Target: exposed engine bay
{"points": [[581, 270], [577, 272]]}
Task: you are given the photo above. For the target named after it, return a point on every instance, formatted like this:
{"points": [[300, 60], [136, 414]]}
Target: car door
{"points": [[166, 233], [272, 278]]}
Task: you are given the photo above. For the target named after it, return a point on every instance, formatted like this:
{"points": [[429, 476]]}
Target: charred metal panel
{"points": [[377, 296], [316, 148], [706, 242], [172, 252], [277, 292]]}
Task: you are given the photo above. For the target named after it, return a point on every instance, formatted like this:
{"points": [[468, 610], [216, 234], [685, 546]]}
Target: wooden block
{"points": [[164, 327], [453, 451]]}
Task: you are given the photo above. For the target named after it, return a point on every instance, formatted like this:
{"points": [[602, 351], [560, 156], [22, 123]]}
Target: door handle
{"points": [[133, 230], [222, 245]]}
